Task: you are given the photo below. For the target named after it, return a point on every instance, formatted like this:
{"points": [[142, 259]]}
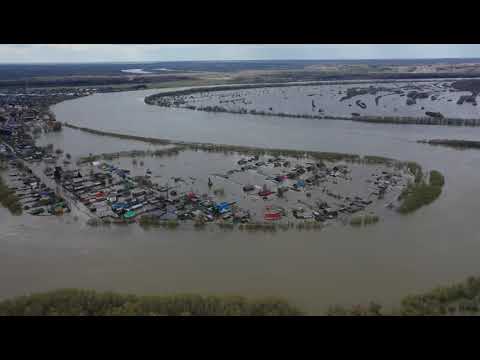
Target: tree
{"points": [[57, 126]]}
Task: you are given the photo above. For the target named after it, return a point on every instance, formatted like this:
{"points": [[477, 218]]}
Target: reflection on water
{"points": [[436, 245]]}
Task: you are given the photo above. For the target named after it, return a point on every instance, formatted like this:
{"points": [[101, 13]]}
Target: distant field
{"points": [[218, 72]]}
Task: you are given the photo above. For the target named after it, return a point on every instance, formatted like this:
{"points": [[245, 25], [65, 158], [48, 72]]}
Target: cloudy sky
{"points": [[98, 53]]}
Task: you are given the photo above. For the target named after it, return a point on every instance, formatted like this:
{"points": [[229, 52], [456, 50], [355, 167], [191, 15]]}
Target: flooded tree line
{"points": [[461, 298], [179, 99]]}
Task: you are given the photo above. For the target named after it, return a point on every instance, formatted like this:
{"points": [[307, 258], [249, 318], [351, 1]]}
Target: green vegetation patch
{"points": [[364, 220], [456, 144], [9, 200], [458, 299], [421, 193], [436, 178], [71, 302]]}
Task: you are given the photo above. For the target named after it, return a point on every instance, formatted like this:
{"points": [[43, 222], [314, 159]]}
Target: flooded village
{"points": [[248, 188], [100, 190]]}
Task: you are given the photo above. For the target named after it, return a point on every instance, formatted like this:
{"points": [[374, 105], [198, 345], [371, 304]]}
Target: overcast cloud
{"points": [[98, 53]]}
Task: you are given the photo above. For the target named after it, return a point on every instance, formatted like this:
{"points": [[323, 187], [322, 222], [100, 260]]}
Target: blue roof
{"points": [[300, 183], [119, 205], [223, 207]]}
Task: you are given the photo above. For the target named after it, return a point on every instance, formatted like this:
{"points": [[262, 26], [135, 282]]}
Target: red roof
{"points": [[273, 215]]}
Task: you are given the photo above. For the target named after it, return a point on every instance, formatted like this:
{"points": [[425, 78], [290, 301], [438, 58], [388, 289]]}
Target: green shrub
{"points": [[418, 195], [356, 221], [9, 200]]}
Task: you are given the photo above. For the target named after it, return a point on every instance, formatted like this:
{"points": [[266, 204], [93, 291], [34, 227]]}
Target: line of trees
{"points": [[461, 298], [458, 299], [71, 302], [8, 199]]}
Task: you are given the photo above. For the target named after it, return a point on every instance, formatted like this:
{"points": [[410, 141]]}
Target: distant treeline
{"points": [[338, 76], [458, 299], [457, 144], [73, 302], [92, 80], [416, 120]]}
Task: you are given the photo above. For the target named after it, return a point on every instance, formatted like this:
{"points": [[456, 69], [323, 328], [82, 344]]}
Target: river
{"points": [[436, 245]]}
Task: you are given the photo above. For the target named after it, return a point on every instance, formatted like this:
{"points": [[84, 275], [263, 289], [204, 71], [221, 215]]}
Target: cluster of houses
{"points": [[308, 178], [33, 195], [24, 146], [111, 192]]}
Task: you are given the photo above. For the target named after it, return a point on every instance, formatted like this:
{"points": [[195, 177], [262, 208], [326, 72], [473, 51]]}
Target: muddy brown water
{"points": [[436, 245]]}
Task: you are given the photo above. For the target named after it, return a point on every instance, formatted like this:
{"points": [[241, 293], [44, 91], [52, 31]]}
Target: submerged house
{"points": [[223, 207]]}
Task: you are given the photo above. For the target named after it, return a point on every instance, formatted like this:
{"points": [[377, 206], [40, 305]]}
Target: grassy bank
{"points": [[91, 303], [8, 199], [421, 193]]}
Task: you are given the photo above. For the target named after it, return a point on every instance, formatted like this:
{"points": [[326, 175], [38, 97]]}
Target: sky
{"points": [[59, 53]]}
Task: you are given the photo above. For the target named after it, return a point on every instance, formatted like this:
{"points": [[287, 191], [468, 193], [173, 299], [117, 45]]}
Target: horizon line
{"points": [[225, 60]]}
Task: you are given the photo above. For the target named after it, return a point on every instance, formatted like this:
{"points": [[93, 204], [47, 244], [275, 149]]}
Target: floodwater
{"points": [[79, 143], [436, 245], [327, 100], [193, 169]]}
